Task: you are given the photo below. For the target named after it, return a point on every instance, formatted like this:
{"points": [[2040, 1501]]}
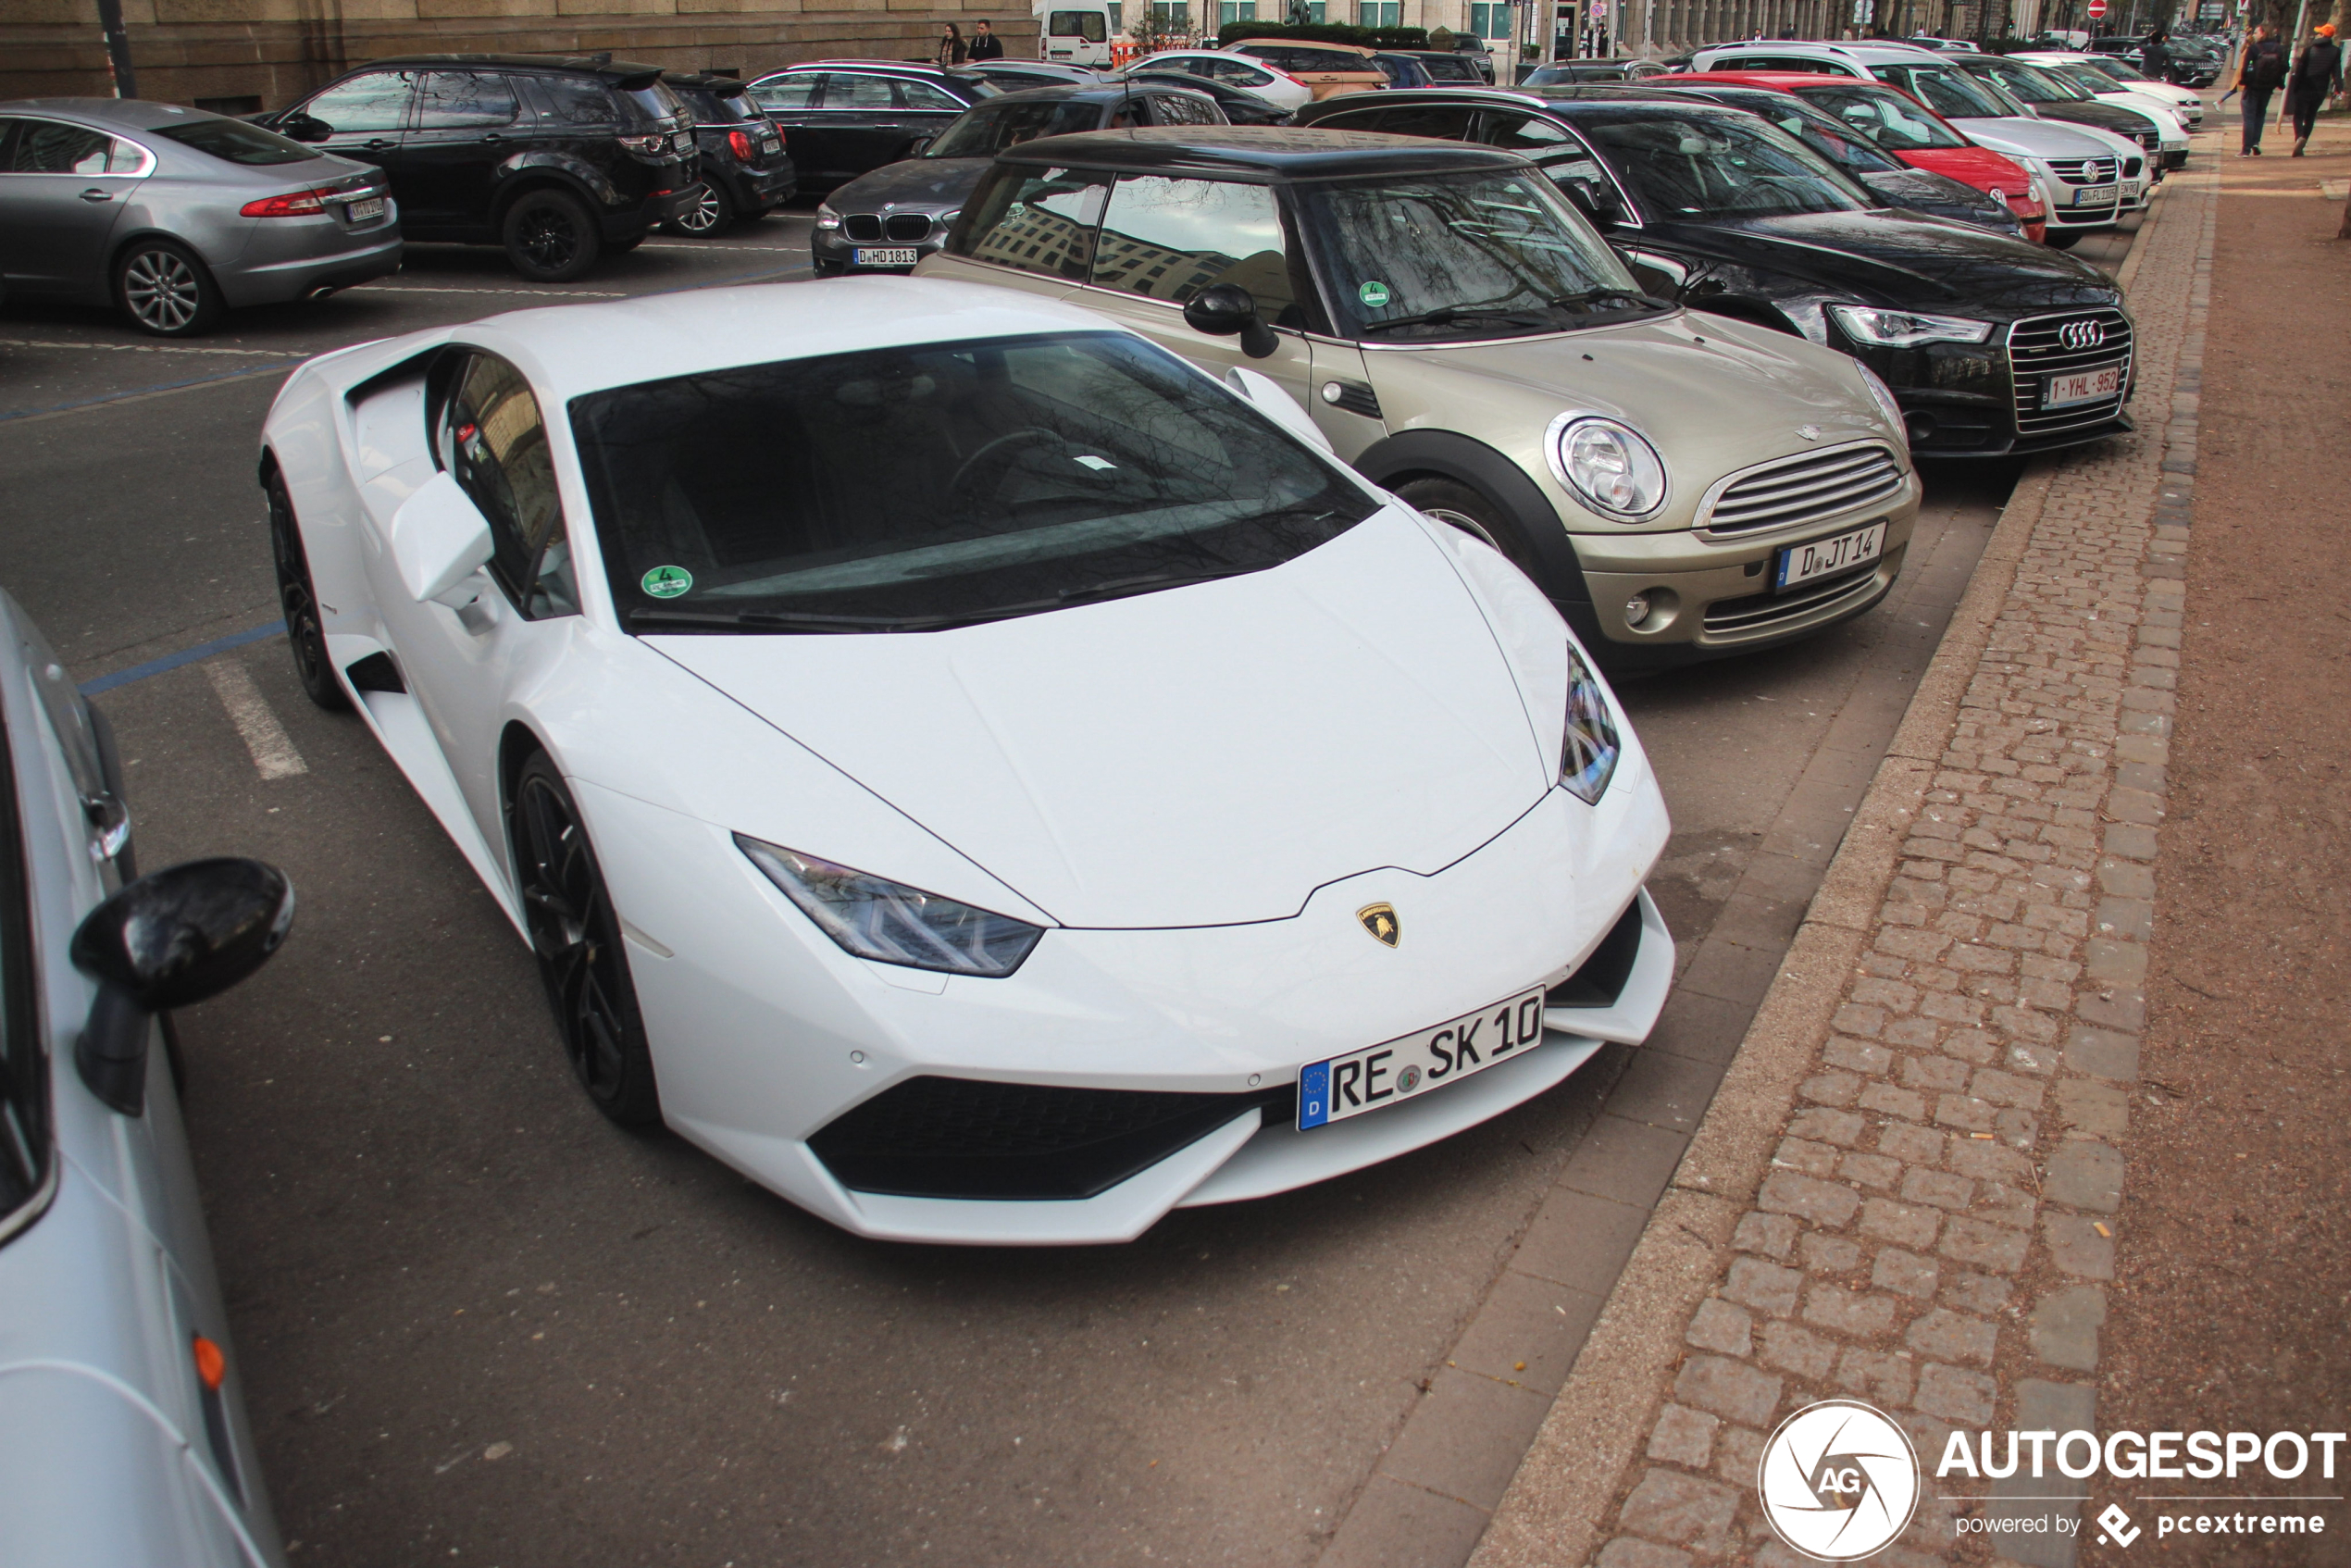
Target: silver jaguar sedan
{"points": [[174, 215]]}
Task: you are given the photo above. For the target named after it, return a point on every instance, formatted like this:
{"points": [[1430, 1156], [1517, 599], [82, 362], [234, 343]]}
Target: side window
{"points": [[923, 96], [1176, 109], [1557, 154], [489, 436], [843, 90], [1169, 239], [1035, 220], [1446, 123], [47, 147], [787, 91], [451, 100], [578, 100], [377, 100]]}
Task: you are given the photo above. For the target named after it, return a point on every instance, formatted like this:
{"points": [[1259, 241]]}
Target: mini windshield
{"points": [[233, 140], [1463, 255], [1884, 117], [916, 488], [983, 133], [1722, 168]]}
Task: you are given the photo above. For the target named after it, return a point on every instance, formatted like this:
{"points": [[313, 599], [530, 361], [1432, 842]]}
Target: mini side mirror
{"points": [[171, 939], [1596, 203], [1223, 310], [439, 539]]}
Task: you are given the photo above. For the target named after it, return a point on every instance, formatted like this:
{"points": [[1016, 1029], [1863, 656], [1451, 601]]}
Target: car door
{"points": [[62, 189], [924, 110], [489, 434], [790, 104], [464, 127], [866, 124], [361, 116]]}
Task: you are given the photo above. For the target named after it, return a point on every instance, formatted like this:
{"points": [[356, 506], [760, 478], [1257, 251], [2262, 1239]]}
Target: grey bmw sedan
{"points": [[174, 215]]}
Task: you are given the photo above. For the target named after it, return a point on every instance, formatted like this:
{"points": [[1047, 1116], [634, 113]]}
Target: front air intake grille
{"points": [[863, 227], [1769, 615], [907, 228], [2054, 345], [1600, 980], [961, 1138], [2085, 171], [1813, 487]]}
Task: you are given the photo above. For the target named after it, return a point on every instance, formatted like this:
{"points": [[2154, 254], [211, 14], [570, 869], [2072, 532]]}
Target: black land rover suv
{"points": [[558, 159]]}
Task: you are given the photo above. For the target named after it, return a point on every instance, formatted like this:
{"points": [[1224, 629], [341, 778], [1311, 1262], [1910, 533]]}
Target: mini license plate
{"points": [[1801, 562], [771, 147], [1404, 1069], [2094, 197], [361, 211], [2083, 386], [891, 258]]}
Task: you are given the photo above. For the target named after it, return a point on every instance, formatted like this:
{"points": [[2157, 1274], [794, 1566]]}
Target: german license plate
{"points": [[1801, 562], [2094, 197], [1405, 1069], [890, 257], [771, 147], [361, 211], [2083, 386]]}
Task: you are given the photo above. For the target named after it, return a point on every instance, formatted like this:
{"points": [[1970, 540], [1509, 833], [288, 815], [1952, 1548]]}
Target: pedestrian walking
{"points": [[2317, 77], [2155, 57], [986, 45], [2260, 72], [952, 49]]}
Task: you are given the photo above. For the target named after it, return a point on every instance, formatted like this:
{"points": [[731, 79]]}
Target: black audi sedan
{"points": [[1992, 346], [843, 117], [887, 221], [746, 172], [557, 158]]}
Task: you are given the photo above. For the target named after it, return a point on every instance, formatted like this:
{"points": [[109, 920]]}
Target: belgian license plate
{"points": [[1405, 1069], [361, 211], [1801, 562], [891, 258], [2094, 197], [2083, 386]]}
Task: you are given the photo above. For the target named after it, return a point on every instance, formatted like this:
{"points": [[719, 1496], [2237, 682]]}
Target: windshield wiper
{"points": [[1444, 314], [1594, 296], [764, 620]]}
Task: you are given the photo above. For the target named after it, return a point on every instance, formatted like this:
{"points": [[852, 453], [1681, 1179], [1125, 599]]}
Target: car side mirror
{"points": [[439, 539], [171, 939], [1223, 310], [1266, 395], [918, 147], [1598, 205], [303, 128]]}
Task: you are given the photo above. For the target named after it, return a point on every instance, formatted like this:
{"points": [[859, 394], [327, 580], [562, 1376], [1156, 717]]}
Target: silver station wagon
{"points": [[1681, 486]]}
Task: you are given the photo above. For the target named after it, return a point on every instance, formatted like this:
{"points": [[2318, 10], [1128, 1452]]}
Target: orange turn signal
{"points": [[211, 1365]]}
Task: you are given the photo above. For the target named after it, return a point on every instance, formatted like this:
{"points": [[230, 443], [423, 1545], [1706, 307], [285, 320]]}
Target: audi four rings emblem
{"points": [[2082, 334]]}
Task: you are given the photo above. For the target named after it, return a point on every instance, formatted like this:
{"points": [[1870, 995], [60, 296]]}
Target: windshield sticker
{"points": [[666, 583], [1017, 209], [1097, 463], [1374, 293]]}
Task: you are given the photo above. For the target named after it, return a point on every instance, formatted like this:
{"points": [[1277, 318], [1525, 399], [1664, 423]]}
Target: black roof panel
{"points": [[600, 65], [1271, 151]]}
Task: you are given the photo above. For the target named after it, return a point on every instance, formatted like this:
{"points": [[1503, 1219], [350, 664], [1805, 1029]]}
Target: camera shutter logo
{"points": [[1838, 1481], [2082, 334]]}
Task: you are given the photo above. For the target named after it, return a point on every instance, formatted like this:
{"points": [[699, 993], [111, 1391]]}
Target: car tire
{"points": [[709, 214], [2061, 239], [550, 236], [304, 633], [622, 247], [1458, 506], [165, 291], [583, 961]]}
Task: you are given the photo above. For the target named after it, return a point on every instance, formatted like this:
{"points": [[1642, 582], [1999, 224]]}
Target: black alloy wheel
{"points": [[304, 634], [1456, 505], [164, 290], [708, 213], [550, 237], [576, 934]]}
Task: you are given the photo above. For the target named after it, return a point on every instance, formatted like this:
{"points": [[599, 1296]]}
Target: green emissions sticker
{"points": [[1374, 293], [666, 583]]}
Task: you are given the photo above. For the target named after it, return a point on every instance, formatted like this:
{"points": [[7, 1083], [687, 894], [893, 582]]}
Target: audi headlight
{"points": [[1884, 396], [1587, 757], [827, 218], [892, 923], [1903, 328], [1611, 467]]}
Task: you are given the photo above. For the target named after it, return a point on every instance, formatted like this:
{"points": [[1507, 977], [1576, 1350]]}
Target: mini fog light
{"points": [[1637, 609]]}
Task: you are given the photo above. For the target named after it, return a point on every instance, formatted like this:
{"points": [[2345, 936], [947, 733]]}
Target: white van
{"points": [[1075, 32]]}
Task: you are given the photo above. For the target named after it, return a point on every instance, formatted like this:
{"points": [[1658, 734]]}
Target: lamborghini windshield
{"points": [[916, 488]]}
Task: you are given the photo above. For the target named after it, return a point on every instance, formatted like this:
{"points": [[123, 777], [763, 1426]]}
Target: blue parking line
{"points": [[185, 656], [142, 391]]}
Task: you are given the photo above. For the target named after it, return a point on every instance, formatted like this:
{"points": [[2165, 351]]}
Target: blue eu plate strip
{"points": [[1314, 1095]]}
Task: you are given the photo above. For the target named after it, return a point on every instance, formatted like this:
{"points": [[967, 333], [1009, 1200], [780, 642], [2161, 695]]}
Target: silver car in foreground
{"points": [[173, 214], [123, 1440]]}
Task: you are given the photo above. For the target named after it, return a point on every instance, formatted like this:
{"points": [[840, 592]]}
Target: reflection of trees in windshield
{"points": [[1721, 168], [922, 486]]}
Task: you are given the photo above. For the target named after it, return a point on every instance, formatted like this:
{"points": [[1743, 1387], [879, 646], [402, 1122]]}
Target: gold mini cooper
{"points": [[1681, 486]]}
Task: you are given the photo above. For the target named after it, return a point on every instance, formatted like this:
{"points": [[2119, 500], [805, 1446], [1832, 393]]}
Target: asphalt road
{"points": [[477, 1323]]}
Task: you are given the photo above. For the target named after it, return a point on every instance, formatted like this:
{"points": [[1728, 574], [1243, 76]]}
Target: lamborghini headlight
{"points": [[892, 923], [1588, 757], [1905, 328], [1614, 470]]}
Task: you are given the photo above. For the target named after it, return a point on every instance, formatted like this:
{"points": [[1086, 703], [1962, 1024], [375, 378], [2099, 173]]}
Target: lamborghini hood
{"points": [[1204, 755]]}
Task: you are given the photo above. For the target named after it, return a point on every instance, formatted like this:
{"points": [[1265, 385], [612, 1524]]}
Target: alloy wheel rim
{"points": [[162, 290], [549, 240], [702, 217], [575, 937]]}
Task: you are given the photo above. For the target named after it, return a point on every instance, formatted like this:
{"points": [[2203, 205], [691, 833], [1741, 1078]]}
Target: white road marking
{"points": [[272, 748], [144, 348]]}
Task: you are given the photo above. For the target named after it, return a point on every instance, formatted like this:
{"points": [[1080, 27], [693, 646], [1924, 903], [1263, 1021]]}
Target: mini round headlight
{"points": [[1611, 467]]}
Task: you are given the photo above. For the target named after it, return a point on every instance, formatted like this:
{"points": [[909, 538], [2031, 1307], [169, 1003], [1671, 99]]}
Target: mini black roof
{"points": [[598, 65], [1270, 152]]}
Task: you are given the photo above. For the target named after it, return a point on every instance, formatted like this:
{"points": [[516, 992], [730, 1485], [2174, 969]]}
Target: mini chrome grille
{"points": [[2084, 171], [2054, 345], [1813, 487]]}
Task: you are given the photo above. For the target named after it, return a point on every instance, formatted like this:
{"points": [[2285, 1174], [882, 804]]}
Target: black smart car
{"points": [[746, 172], [558, 159], [1990, 345], [843, 118]]}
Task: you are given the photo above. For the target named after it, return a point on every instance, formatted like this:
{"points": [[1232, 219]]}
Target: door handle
{"points": [[377, 142], [94, 194], [491, 136]]}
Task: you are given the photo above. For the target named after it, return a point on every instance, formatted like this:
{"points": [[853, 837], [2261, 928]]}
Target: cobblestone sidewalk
{"points": [[1904, 1189]]}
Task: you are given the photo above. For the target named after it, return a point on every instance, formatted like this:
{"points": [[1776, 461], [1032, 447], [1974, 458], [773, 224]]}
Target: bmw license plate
{"points": [[889, 257], [2083, 386], [363, 211], [1404, 1069], [2094, 197], [1801, 562]]}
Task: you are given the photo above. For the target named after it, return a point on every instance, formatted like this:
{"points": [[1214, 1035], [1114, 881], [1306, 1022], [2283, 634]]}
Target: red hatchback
{"points": [[1907, 130]]}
